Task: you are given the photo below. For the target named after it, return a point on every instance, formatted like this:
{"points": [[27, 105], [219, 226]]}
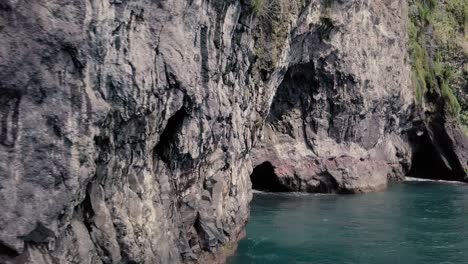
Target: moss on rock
{"points": [[436, 40]]}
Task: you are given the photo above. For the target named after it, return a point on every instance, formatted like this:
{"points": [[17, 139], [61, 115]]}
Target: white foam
{"points": [[290, 193], [411, 179]]}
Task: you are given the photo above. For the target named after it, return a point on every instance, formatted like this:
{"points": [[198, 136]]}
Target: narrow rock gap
{"points": [[87, 209], [265, 179]]}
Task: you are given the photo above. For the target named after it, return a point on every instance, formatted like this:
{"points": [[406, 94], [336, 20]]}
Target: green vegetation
{"points": [[258, 6], [436, 39], [273, 26], [271, 31], [459, 10]]}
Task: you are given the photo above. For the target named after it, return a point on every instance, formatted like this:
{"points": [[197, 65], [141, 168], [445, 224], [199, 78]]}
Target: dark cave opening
{"points": [[165, 146], [328, 184], [427, 162], [264, 179]]}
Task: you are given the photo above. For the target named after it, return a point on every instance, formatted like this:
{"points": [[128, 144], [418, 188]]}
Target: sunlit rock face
{"points": [[345, 100], [129, 129], [126, 130]]}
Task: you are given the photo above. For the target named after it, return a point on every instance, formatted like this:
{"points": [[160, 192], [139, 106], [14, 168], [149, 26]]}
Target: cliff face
{"points": [[129, 129], [126, 130], [345, 99], [439, 55]]}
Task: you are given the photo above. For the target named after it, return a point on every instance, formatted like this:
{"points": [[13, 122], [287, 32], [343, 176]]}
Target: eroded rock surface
{"points": [[122, 140], [344, 102], [129, 129]]}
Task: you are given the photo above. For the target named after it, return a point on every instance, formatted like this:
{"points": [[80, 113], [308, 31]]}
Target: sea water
{"points": [[414, 222]]}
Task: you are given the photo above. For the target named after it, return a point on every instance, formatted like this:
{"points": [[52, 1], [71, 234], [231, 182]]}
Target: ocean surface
{"points": [[414, 222]]}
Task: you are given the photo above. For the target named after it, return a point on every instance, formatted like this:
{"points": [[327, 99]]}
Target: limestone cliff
{"points": [[129, 129]]}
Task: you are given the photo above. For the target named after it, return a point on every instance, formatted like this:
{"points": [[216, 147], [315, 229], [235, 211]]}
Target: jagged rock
{"points": [[129, 129], [343, 104]]}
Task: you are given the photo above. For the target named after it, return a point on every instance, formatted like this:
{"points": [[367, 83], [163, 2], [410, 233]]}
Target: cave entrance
{"points": [[427, 162], [264, 179], [328, 184]]}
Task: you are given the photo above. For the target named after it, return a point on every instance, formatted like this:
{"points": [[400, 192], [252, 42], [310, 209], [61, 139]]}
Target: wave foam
{"points": [[411, 179], [291, 193]]}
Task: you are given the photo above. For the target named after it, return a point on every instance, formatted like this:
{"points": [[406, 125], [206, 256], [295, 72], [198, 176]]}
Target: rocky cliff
{"points": [[439, 55], [337, 115], [130, 129]]}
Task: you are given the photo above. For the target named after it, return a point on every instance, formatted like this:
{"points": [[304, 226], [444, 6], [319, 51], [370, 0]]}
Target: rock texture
{"points": [[344, 101], [126, 128], [439, 58], [129, 129]]}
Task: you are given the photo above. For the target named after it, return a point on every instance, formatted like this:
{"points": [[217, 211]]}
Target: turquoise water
{"points": [[410, 223]]}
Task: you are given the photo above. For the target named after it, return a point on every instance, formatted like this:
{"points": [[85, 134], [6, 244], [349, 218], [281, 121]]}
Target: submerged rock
{"points": [[129, 129]]}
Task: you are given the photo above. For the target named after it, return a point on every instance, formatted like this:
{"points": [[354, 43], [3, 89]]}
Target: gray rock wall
{"points": [[120, 141], [345, 100], [129, 129]]}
